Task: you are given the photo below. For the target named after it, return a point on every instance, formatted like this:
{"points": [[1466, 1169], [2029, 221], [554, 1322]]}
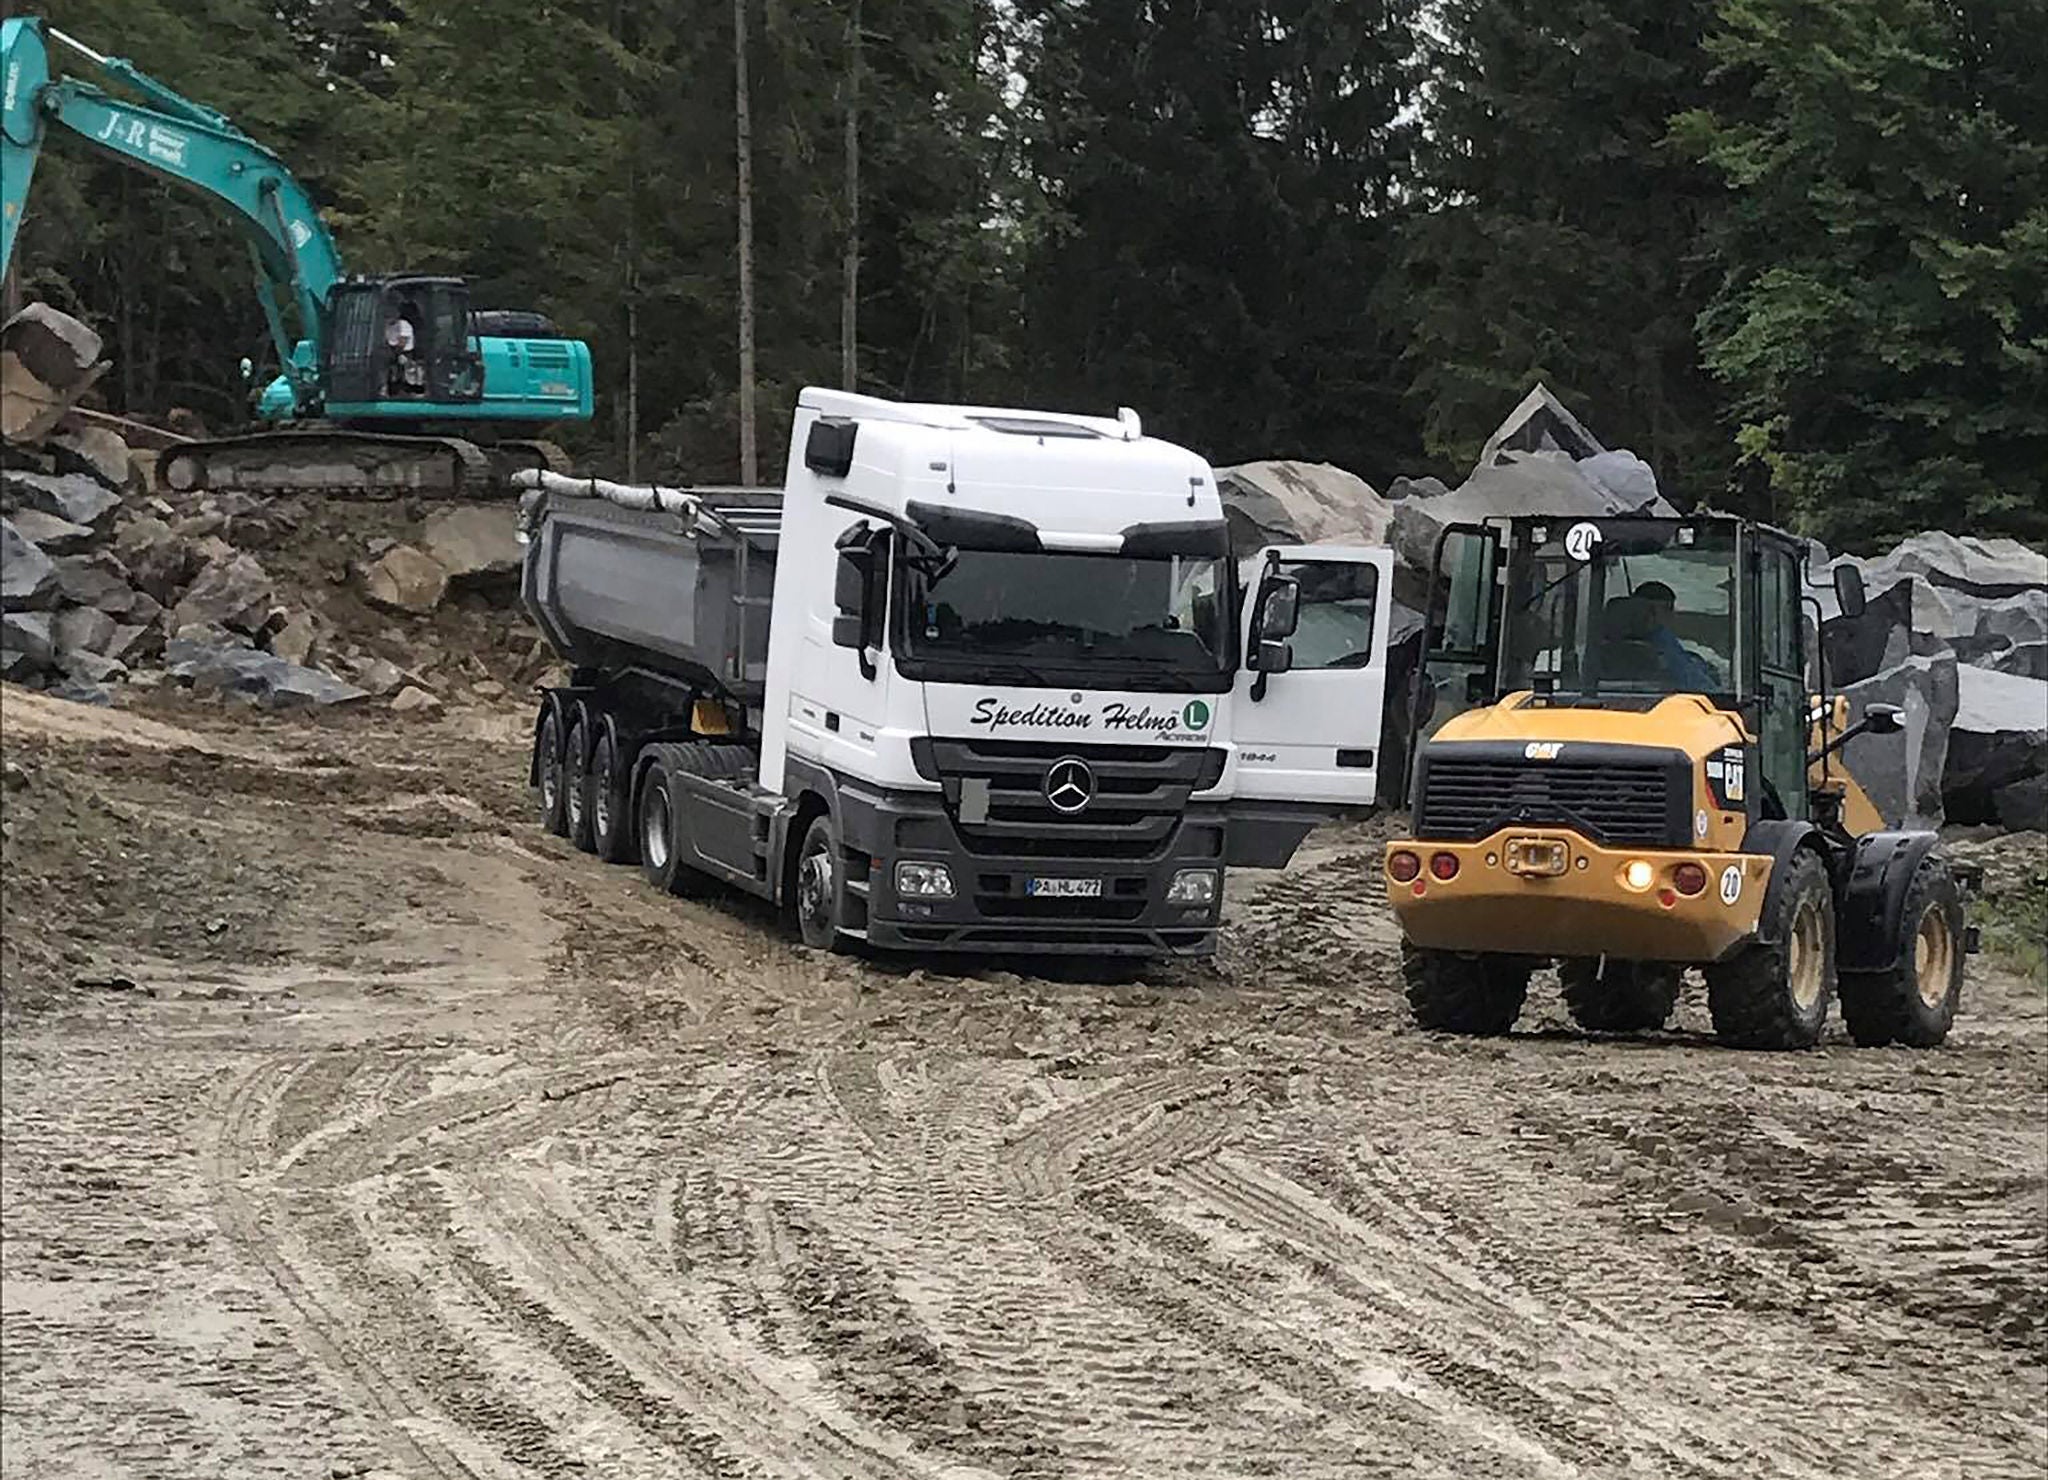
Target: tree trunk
{"points": [[744, 124], [633, 324], [849, 303]]}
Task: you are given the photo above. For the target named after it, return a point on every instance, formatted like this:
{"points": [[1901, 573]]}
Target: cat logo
{"points": [[1542, 750]]}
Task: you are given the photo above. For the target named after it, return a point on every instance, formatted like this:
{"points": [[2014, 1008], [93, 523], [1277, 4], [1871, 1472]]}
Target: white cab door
{"points": [[1311, 733]]}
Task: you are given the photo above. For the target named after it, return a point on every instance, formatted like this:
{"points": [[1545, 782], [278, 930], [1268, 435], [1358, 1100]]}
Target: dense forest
{"points": [[1793, 252]]}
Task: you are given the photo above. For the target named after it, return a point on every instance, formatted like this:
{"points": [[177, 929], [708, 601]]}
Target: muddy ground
{"points": [[351, 1126]]}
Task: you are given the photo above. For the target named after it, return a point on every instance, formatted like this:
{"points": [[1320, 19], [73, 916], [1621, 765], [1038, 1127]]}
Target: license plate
{"points": [[1537, 857], [1064, 888]]}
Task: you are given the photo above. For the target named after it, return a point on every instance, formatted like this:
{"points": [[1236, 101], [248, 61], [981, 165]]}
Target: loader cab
{"points": [[401, 344], [1618, 614]]}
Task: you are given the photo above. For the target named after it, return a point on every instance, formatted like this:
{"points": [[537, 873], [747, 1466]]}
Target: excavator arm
{"points": [[177, 140]]}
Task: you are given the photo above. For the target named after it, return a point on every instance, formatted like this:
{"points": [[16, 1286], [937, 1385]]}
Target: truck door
{"points": [[1312, 685], [1460, 641]]}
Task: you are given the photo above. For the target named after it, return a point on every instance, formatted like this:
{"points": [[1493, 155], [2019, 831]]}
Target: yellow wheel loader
{"points": [[1622, 768]]}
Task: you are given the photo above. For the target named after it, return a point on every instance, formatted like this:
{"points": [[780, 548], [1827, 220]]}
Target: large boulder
{"points": [[1998, 567], [97, 579], [262, 678], [28, 577], [160, 561], [2025, 660], [477, 543], [28, 635], [1540, 424], [1999, 741], [1525, 484], [1294, 503], [83, 629], [49, 533], [231, 592], [1903, 772], [98, 451], [57, 349], [2023, 806], [69, 496], [403, 579]]}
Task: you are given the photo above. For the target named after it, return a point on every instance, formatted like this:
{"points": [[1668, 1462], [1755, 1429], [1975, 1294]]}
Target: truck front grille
{"points": [[1139, 795], [1636, 801]]}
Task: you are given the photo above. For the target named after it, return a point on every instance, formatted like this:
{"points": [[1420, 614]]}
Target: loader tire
{"points": [[1914, 1003], [613, 836], [1619, 996], [1453, 993], [1775, 993], [576, 785], [547, 769]]}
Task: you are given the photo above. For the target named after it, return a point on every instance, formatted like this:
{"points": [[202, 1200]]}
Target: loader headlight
{"points": [[1192, 886], [1637, 874], [923, 881]]}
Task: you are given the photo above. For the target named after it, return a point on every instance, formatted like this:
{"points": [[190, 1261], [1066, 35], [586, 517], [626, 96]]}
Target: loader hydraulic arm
{"points": [[177, 140]]}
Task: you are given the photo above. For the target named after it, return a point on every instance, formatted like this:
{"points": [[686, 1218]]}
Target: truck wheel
{"points": [[547, 758], [1775, 993], [1622, 996], [1455, 993], [818, 886], [612, 833], [576, 786], [661, 852], [1914, 1003]]}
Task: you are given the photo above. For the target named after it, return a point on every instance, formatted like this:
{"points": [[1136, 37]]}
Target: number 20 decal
{"points": [[1731, 883]]}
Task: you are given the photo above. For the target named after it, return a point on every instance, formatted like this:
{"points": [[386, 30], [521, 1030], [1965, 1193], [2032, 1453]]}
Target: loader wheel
{"points": [[576, 786], [612, 833], [819, 898], [1453, 993], [1914, 1003], [547, 753], [1621, 996], [1775, 993]]}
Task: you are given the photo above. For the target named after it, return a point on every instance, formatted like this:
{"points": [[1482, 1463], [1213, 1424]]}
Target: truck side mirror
{"points": [[1279, 612], [850, 596], [1272, 657], [1882, 719], [1849, 590], [828, 449]]}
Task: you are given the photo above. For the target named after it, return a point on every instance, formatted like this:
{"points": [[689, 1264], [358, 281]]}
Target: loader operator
{"points": [[1685, 669]]}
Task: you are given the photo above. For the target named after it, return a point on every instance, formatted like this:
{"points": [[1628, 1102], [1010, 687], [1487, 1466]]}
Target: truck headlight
{"points": [[924, 881], [1192, 886]]}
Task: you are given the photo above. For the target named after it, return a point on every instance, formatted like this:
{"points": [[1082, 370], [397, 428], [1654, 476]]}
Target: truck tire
{"points": [[547, 766], [613, 836], [1775, 993], [657, 832], [819, 898], [1621, 996], [1914, 1003], [1454, 993], [576, 785]]}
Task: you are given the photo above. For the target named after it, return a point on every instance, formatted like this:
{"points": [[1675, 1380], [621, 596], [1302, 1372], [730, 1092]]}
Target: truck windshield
{"points": [[1638, 607], [1056, 616]]}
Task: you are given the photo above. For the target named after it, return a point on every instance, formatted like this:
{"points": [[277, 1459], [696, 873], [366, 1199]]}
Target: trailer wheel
{"points": [[547, 766], [819, 889], [1619, 996], [1914, 1003], [1775, 993], [576, 785], [1454, 993], [612, 833]]}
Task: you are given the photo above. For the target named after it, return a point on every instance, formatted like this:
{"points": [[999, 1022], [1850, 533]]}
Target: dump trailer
{"points": [[1632, 768], [972, 679]]}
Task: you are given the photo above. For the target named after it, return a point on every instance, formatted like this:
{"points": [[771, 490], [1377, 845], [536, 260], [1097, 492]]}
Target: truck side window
{"points": [[1338, 601]]}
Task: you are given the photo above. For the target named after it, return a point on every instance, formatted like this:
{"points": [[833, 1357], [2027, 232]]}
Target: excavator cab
{"points": [[1623, 770], [400, 347]]}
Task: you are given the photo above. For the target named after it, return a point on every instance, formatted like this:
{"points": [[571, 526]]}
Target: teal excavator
{"points": [[388, 385]]}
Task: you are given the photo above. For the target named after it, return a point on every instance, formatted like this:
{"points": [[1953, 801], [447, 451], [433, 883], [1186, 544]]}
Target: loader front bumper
{"points": [[1547, 892]]}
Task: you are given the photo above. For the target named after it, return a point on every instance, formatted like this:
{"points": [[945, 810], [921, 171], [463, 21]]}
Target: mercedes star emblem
{"points": [[1069, 785]]}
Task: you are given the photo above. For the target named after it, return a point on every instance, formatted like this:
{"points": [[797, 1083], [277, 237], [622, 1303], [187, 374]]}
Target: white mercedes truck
{"points": [[972, 680]]}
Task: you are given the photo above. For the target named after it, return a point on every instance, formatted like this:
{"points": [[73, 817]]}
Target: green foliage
{"points": [[1882, 316]]}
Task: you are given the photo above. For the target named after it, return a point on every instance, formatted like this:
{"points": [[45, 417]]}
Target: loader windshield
{"points": [[1620, 607], [1152, 622]]}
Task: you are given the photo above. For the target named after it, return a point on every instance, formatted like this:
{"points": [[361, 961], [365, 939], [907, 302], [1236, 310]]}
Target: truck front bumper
{"points": [[1001, 901], [1501, 897]]}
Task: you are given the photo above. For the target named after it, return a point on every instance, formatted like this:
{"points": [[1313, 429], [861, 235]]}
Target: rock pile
{"points": [[105, 583], [1956, 632]]}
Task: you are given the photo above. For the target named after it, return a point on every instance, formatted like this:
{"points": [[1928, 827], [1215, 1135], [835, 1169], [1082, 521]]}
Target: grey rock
{"points": [[1903, 772], [478, 542], [98, 451], [412, 698], [2023, 806], [69, 496], [1524, 485], [262, 678], [1263, 502], [28, 577], [56, 348], [1624, 475], [97, 579], [1997, 567], [158, 561], [380, 676], [83, 629], [82, 691], [1540, 424], [2026, 659], [403, 579], [93, 667], [293, 641], [29, 634], [51, 534], [1424, 487], [1989, 702], [130, 643], [234, 593]]}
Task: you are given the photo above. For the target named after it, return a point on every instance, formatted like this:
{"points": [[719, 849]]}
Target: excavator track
{"points": [[336, 463]]}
